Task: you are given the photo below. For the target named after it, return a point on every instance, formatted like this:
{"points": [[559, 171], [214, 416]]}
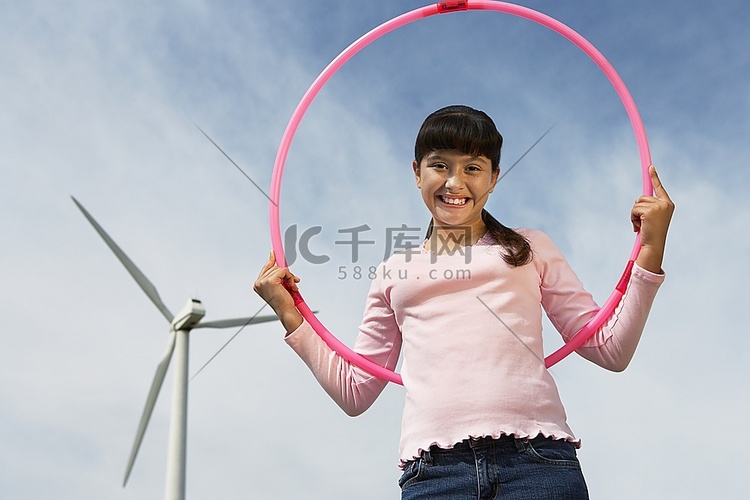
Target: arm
{"points": [[614, 345], [570, 307], [351, 388]]}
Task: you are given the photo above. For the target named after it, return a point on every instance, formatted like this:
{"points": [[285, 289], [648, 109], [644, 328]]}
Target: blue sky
{"points": [[100, 101]]}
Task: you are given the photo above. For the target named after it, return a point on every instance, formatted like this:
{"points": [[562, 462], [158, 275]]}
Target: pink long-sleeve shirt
{"points": [[470, 330]]}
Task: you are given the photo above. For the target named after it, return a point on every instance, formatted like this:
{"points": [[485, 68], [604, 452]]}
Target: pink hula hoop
{"points": [[610, 304]]}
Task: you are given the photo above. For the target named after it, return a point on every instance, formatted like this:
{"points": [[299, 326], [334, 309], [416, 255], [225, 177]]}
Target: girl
{"points": [[482, 416]]}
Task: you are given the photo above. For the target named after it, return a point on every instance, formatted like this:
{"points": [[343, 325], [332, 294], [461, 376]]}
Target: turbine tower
{"points": [[180, 326]]}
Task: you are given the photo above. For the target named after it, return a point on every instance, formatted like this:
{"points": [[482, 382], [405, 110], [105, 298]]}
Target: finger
{"points": [[635, 219], [267, 284], [291, 280], [282, 275], [659, 190], [291, 285], [640, 207], [267, 279], [270, 263], [277, 261]]}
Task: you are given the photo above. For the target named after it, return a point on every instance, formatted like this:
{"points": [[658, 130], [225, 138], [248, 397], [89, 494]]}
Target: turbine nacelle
{"points": [[189, 316]]}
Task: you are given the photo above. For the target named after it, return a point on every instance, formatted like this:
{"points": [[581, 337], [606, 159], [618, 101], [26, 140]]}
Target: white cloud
{"points": [[98, 103]]}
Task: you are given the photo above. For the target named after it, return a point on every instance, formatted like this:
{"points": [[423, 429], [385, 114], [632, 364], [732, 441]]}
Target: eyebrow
{"points": [[436, 156]]}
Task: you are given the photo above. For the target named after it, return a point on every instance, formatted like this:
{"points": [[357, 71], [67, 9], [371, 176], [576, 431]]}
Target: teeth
{"points": [[454, 201]]}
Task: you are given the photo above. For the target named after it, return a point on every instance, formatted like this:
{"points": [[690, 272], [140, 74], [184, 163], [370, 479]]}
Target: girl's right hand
{"points": [[651, 216], [273, 286]]}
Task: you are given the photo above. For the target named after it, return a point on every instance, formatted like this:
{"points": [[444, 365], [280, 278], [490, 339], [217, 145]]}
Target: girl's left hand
{"points": [[651, 216]]}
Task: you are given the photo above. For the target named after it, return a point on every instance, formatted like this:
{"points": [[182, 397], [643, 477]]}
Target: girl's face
{"points": [[455, 187]]}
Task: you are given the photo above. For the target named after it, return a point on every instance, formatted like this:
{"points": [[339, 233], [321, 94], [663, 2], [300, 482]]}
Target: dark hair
{"points": [[472, 132], [463, 128]]}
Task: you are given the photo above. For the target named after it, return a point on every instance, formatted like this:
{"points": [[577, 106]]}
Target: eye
{"points": [[438, 166]]}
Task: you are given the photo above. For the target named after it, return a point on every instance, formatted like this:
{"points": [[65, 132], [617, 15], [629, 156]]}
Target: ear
{"points": [[417, 173], [495, 178]]}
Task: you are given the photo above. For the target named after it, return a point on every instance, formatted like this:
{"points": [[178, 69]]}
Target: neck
{"points": [[448, 239]]}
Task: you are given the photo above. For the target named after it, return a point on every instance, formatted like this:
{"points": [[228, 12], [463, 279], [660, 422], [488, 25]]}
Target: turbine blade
{"points": [[153, 394], [136, 273], [229, 323]]}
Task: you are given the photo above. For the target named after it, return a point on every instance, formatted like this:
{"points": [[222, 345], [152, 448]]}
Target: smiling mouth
{"points": [[456, 202]]}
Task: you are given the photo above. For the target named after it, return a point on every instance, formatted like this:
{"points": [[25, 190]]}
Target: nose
{"points": [[455, 180]]}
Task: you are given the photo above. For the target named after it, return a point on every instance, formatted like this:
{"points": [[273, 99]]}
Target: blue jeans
{"points": [[507, 468]]}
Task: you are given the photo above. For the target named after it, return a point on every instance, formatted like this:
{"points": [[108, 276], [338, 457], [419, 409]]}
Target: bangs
{"points": [[461, 128]]}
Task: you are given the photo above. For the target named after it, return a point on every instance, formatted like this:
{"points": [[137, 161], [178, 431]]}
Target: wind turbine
{"points": [[180, 326]]}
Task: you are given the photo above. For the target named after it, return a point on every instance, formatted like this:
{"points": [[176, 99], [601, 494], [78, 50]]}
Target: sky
{"points": [[105, 101]]}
